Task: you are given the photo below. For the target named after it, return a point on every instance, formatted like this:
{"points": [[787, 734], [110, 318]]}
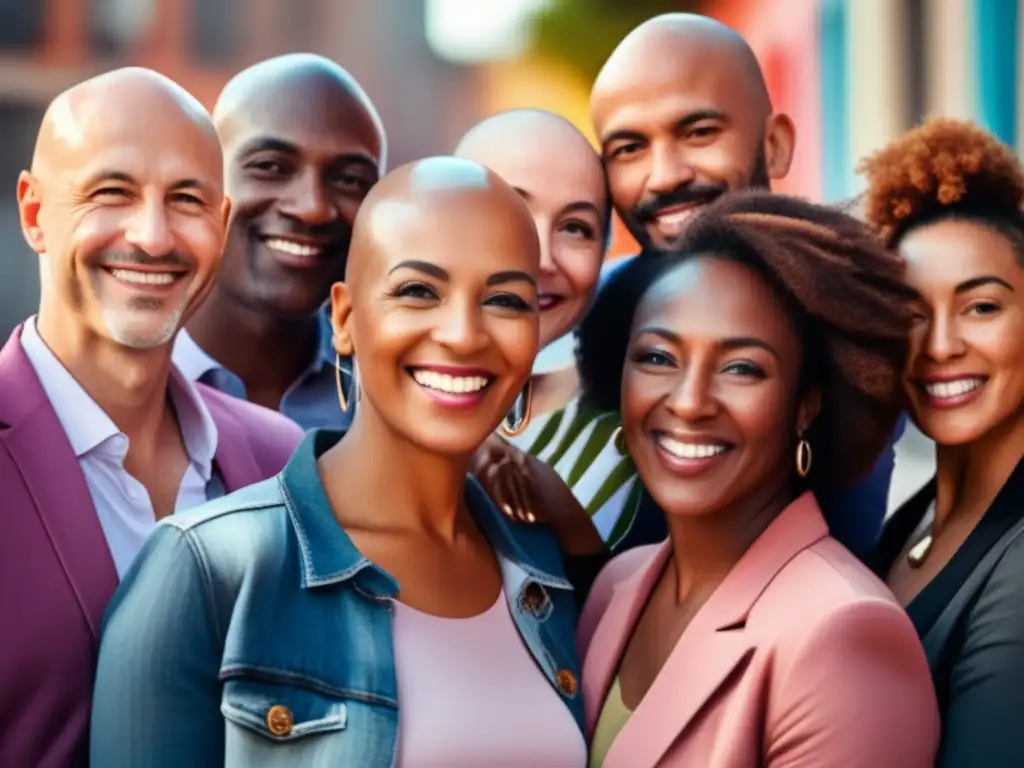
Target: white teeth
{"points": [[293, 248], [676, 217], [691, 450], [455, 385], [144, 278], [944, 389]]}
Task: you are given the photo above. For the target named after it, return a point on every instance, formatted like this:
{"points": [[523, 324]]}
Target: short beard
{"points": [[122, 327], [759, 179]]}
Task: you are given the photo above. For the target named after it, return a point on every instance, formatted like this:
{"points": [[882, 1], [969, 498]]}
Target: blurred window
{"points": [[22, 25], [297, 24], [117, 26], [215, 29], [916, 60]]}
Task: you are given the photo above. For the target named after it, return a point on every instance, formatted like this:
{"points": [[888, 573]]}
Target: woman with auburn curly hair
{"points": [[948, 196], [757, 368]]}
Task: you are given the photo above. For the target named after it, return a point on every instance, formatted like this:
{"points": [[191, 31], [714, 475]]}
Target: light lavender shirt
{"points": [[122, 502]]}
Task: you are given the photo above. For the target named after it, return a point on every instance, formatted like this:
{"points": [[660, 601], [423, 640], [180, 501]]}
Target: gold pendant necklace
{"points": [[919, 552]]}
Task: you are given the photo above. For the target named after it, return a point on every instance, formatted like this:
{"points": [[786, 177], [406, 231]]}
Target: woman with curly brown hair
{"points": [[758, 367], [948, 196]]}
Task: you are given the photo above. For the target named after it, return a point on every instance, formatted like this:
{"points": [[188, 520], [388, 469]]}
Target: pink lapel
{"points": [[714, 645], [50, 471], [613, 632], [234, 457]]}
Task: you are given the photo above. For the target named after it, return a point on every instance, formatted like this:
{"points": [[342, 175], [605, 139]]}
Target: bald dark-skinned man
{"points": [[371, 606], [100, 435], [674, 137], [677, 135], [303, 145]]}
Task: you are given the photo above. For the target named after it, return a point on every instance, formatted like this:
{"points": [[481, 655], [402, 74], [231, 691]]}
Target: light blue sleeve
{"points": [[157, 695]]}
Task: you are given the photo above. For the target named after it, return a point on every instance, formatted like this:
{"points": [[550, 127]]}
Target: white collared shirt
{"points": [[122, 502]]}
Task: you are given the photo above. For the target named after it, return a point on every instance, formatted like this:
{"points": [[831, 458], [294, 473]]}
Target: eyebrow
{"points": [[511, 276], [422, 266], [273, 144], [978, 282], [439, 273], [736, 342], [579, 205], [686, 121], [108, 175], [126, 178]]}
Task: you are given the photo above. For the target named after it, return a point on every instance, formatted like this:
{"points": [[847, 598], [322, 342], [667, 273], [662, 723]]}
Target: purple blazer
{"points": [[56, 571]]}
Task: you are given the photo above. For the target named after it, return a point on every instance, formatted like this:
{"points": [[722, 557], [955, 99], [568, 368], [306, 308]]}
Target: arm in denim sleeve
{"points": [[157, 696]]}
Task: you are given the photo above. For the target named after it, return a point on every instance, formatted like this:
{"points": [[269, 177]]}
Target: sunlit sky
{"points": [[478, 30]]}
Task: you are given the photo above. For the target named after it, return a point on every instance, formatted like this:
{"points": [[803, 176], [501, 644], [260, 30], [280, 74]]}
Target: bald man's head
{"points": [[303, 145], [440, 302], [557, 172], [125, 204], [683, 114]]}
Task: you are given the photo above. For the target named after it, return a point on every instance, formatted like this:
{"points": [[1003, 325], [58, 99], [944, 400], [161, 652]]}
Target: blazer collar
{"points": [[709, 650], [39, 447], [235, 460]]}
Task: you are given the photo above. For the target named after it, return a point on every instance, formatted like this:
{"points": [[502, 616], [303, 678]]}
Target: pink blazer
{"points": [[800, 658]]}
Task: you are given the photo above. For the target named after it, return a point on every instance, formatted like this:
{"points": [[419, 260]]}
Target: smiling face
{"points": [[710, 403], [440, 310], [301, 156], [560, 178], [965, 377], [677, 136], [128, 214]]}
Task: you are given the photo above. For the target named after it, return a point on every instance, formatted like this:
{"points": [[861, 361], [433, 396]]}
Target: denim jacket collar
{"points": [[329, 556]]}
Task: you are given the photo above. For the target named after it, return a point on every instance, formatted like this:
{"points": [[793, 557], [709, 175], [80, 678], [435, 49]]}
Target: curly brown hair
{"points": [[844, 290], [943, 168]]}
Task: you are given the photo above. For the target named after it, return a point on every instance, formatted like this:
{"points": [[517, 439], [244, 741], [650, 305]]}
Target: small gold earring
{"points": [[516, 429], [803, 458], [342, 400], [619, 441]]}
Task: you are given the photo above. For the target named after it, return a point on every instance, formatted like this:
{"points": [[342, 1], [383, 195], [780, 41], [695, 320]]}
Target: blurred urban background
{"points": [[852, 73]]}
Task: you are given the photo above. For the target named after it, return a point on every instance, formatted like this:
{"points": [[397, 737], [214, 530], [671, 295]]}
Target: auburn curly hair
{"points": [[944, 168], [844, 290]]}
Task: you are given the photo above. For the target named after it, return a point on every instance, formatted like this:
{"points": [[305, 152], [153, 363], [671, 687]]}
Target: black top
{"points": [[970, 618]]}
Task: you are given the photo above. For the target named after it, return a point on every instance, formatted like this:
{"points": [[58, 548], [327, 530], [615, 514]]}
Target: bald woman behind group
{"points": [[370, 606]]}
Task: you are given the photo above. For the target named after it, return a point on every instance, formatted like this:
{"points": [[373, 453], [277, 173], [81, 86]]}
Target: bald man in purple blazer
{"points": [[100, 435]]}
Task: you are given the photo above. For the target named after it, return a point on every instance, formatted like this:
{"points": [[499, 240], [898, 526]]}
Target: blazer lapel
{"points": [[613, 632], [700, 664], [54, 480], [234, 457], [714, 646]]}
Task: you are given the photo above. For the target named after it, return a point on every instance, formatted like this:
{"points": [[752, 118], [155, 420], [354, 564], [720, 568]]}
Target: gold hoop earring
{"points": [[342, 400], [515, 428], [619, 441], [803, 458]]}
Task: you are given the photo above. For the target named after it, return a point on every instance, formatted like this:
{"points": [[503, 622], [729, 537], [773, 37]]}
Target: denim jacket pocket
{"points": [[270, 724]]}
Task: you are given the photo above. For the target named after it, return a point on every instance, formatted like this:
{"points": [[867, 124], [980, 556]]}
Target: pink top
{"points": [[470, 694]]}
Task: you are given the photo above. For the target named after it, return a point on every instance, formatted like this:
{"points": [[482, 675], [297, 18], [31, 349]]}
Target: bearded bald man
{"points": [[674, 138]]}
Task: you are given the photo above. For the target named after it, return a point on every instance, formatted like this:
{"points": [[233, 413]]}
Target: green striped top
{"points": [[577, 442]]}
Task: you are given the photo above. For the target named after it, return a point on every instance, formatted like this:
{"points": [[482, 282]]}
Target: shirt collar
{"points": [[87, 426], [195, 362], [557, 356], [329, 556], [191, 359]]}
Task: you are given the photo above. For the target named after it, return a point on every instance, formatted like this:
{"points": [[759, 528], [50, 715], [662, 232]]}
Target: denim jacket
{"points": [[252, 632]]}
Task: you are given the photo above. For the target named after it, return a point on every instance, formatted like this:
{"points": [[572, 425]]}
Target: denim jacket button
{"points": [[279, 720], [566, 682]]}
